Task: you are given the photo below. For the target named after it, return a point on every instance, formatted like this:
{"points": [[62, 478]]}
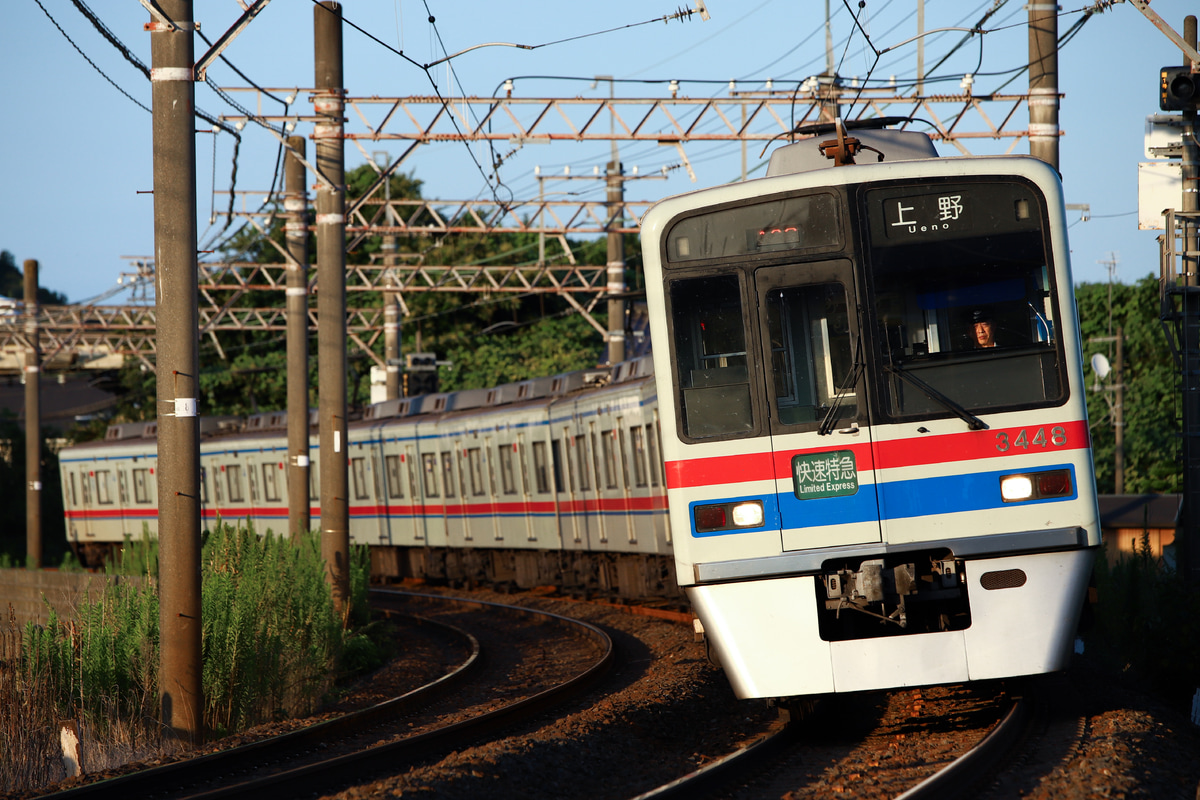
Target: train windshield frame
{"points": [[925, 266], [964, 301]]}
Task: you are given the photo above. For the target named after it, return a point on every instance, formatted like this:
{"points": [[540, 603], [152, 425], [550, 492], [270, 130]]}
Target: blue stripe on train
{"points": [[904, 499]]}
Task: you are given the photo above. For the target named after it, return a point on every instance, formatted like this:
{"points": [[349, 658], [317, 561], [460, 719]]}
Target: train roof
{"points": [[509, 396], [892, 145]]}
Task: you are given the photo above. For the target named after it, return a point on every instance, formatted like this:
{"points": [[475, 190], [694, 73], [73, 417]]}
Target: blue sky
{"points": [[75, 154]]}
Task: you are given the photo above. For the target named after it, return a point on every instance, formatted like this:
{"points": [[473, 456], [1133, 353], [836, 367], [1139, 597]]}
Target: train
{"points": [[874, 426], [548, 481], [864, 410]]}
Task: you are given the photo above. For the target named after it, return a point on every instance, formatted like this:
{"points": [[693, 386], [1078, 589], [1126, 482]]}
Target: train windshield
{"points": [[710, 352], [964, 299]]}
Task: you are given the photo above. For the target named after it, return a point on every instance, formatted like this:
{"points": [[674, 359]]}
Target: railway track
{"points": [[842, 748], [486, 692]]}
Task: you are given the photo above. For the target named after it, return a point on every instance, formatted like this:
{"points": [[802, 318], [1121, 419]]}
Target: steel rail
{"points": [[181, 773]]}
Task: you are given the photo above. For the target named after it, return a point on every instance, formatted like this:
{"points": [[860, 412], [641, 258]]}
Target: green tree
{"points": [[1151, 429], [546, 347], [12, 283]]}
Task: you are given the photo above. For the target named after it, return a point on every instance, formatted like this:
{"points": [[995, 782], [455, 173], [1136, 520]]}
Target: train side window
{"points": [[595, 453], [253, 480], [233, 479], [609, 457], [412, 474], [71, 484], [270, 473], [391, 466], [217, 487], [122, 487], [103, 495], [141, 488], [490, 460], [314, 478], [708, 328], [508, 481], [639, 455], [86, 489], [203, 485], [581, 456], [448, 473], [358, 469], [811, 355], [429, 465], [523, 465], [475, 470], [541, 468], [556, 461], [652, 454], [624, 453]]}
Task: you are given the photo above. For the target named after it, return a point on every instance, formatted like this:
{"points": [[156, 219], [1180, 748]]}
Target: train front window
{"points": [[811, 357], [964, 299], [710, 355]]}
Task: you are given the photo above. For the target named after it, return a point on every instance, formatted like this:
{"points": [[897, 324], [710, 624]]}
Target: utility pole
{"points": [[331, 300], [1191, 173], [1190, 333], [1043, 82], [173, 91], [1119, 417], [295, 204], [391, 302], [616, 262], [33, 423]]}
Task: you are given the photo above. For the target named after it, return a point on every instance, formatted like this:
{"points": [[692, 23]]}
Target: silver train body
{"points": [[552, 481], [874, 428]]}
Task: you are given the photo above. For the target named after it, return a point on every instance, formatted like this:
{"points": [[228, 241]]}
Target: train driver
{"points": [[983, 328]]}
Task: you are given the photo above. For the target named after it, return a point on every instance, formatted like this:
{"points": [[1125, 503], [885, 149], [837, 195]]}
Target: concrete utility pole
{"points": [[1191, 172], [1190, 548], [173, 93], [1119, 416], [331, 300], [391, 305], [33, 423], [1043, 82], [616, 262], [295, 203]]}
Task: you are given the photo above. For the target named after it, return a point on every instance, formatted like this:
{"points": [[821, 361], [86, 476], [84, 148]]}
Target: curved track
{"points": [[291, 765], [960, 778]]}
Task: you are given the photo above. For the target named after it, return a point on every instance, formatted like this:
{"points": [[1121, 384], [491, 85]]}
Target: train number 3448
{"points": [[1058, 437]]}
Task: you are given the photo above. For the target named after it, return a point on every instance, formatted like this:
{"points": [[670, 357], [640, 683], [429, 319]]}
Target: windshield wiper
{"points": [[974, 422], [831, 416]]}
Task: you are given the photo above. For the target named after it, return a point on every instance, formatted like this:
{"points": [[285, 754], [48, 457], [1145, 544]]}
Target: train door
{"points": [[416, 514], [816, 394]]}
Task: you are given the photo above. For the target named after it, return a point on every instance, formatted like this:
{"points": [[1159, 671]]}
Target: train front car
{"points": [[873, 418]]}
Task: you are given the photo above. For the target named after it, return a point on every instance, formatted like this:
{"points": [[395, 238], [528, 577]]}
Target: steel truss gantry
{"points": [[101, 336]]}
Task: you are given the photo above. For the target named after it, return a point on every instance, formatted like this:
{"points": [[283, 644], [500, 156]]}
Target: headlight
{"points": [[1036, 485], [748, 515], [727, 516]]}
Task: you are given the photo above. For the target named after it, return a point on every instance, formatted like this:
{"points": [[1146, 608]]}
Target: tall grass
{"points": [[1147, 626], [271, 635], [272, 647]]}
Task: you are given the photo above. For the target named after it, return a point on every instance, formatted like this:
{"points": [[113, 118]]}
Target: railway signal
{"points": [[420, 375], [1178, 89]]}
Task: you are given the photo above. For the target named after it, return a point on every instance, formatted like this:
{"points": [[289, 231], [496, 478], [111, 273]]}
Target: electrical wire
{"points": [[101, 72]]}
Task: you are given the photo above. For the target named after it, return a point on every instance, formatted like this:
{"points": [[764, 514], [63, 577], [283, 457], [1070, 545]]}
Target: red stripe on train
{"points": [[946, 448]]}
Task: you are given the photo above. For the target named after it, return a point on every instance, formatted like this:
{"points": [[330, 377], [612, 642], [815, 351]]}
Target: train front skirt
{"points": [[767, 637]]}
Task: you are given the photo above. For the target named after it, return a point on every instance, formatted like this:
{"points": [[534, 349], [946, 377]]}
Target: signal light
{"points": [[421, 375], [1178, 89]]}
